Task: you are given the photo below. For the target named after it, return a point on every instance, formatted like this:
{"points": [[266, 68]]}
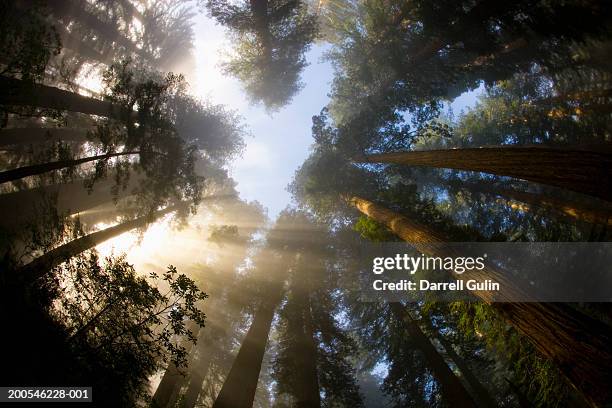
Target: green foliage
{"points": [[373, 231], [226, 234], [309, 332], [120, 326], [28, 41], [271, 38], [537, 376]]}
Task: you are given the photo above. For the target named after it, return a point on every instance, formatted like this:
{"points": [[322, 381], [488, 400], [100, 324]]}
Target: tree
{"points": [[270, 39], [567, 208], [20, 93], [452, 388], [240, 385], [28, 42], [121, 326], [209, 358], [69, 11], [397, 56], [538, 164], [552, 328], [25, 136], [46, 262], [312, 365]]}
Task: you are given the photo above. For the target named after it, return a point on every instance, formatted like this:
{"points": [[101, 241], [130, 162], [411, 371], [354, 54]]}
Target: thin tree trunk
{"points": [[239, 388], [17, 92], [168, 389], [578, 344], [26, 136], [481, 395], [196, 381], [578, 96], [68, 199], [26, 171], [566, 208], [452, 389], [44, 263], [311, 397], [587, 172]]}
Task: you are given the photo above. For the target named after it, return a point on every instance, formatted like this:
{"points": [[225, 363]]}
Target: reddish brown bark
{"points": [[575, 342], [587, 172]]}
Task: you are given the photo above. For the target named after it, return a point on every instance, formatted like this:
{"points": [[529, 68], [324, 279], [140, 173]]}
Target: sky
{"points": [[280, 141]]}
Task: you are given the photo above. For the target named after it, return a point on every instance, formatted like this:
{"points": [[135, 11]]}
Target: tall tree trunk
{"points": [[239, 388], [17, 92], [44, 263], [587, 172], [26, 136], [196, 380], [578, 344], [578, 96], [168, 389], [26, 171], [308, 378], [481, 395], [566, 208], [167, 386], [452, 389], [69, 198]]}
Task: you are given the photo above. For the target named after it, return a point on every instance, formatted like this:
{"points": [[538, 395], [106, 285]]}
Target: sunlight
{"points": [[162, 244], [90, 80]]}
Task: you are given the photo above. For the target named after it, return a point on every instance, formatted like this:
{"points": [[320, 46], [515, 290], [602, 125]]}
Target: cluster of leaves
{"points": [[28, 42], [121, 326], [539, 379], [271, 38]]}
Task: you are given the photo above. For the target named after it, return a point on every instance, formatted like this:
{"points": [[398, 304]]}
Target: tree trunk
{"points": [[26, 136], [566, 208], [173, 379], [239, 388], [575, 342], [68, 199], [481, 395], [44, 263], [167, 387], [309, 380], [453, 391], [16, 92], [196, 381], [26, 171], [587, 172]]}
